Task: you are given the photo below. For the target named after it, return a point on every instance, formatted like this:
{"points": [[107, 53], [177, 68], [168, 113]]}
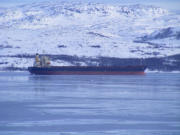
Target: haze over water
{"points": [[89, 105]]}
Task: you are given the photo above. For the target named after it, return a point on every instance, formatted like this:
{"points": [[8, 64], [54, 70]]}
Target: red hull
{"points": [[87, 73]]}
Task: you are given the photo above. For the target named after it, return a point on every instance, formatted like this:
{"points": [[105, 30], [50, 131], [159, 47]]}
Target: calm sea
{"points": [[89, 105]]}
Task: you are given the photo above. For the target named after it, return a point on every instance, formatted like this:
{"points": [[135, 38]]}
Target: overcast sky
{"points": [[168, 4]]}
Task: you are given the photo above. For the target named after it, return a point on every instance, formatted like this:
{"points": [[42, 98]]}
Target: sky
{"points": [[167, 4]]}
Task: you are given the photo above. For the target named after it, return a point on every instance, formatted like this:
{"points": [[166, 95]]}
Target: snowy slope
{"points": [[87, 29]]}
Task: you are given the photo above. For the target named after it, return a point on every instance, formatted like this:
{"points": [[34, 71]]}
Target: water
{"points": [[89, 105]]}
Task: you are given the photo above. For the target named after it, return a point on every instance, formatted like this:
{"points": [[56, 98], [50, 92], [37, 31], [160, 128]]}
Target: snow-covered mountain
{"points": [[88, 30]]}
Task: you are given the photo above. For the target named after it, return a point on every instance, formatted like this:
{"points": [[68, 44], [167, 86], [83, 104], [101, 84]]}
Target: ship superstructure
{"points": [[42, 61]]}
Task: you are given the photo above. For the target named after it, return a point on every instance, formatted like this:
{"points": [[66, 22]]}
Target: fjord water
{"points": [[89, 105]]}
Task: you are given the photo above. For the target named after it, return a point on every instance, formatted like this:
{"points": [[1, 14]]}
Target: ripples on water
{"points": [[89, 105]]}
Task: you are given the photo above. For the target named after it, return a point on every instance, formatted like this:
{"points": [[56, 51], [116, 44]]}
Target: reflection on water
{"points": [[91, 105]]}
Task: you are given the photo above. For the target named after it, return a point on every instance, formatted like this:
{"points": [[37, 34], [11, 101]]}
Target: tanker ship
{"points": [[42, 67]]}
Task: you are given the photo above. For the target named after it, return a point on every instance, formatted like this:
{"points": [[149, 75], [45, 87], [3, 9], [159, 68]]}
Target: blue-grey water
{"points": [[89, 105]]}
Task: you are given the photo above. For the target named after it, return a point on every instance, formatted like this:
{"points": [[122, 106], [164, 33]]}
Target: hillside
{"points": [[86, 30]]}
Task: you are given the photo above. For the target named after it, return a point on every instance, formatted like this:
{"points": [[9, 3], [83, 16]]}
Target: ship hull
{"points": [[86, 70]]}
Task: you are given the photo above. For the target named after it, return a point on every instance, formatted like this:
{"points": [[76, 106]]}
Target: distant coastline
{"points": [[164, 64]]}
